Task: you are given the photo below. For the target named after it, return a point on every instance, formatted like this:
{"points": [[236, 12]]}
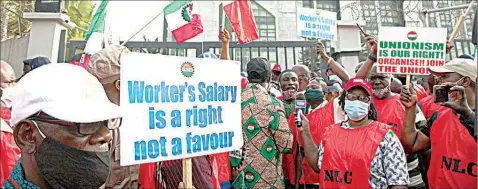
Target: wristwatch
{"points": [[373, 58]]}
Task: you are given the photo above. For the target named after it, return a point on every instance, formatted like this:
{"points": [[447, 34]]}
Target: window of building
{"points": [[308, 3], [391, 13], [369, 14], [265, 21], [329, 5]]}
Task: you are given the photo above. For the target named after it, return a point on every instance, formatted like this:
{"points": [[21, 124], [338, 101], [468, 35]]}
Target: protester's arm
{"points": [[310, 149], [412, 139], [224, 37], [282, 135], [334, 66], [366, 68]]}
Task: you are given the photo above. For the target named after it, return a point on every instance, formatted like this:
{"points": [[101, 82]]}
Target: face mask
{"points": [[289, 95], [380, 93], [356, 110], [63, 166], [312, 95]]}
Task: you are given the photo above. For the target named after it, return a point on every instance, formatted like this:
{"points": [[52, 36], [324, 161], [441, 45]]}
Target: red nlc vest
{"points": [[428, 106], [453, 161], [392, 112], [348, 155], [319, 120]]}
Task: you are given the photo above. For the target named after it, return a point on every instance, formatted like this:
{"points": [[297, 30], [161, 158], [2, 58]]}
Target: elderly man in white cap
{"points": [[62, 121], [451, 132]]}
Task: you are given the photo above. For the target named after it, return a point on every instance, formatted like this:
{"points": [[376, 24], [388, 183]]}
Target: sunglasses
{"points": [[82, 128]]}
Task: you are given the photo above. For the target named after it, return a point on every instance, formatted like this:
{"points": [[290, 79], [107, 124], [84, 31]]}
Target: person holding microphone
{"points": [[359, 152]]}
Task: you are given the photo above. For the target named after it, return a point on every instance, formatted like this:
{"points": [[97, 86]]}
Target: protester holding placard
{"points": [[105, 66], [266, 133], [62, 126], [452, 134], [345, 163]]}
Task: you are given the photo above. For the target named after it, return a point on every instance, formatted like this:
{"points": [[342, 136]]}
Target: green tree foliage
{"points": [[16, 24], [80, 13]]}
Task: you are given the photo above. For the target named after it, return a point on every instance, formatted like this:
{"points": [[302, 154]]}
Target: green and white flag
{"points": [[183, 20], [100, 33]]}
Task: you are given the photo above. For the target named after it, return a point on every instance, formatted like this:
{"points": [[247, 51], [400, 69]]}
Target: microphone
{"points": [[300, 105]]}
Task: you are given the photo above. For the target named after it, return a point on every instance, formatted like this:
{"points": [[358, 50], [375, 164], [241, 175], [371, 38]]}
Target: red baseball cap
{"points": [[277, 68], [357, 82]]}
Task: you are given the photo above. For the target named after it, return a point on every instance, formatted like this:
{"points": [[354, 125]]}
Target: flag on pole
{"points": [[100, 33], [242, 20], [183, 20]]}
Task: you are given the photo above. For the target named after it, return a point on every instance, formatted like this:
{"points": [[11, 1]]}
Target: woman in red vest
{"points": [[360, 152]]}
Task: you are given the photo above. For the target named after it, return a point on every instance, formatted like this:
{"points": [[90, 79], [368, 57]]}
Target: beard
{"points": [[381, 93]]}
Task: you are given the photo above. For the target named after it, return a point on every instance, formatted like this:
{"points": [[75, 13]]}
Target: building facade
{"points": [[276, 20]]}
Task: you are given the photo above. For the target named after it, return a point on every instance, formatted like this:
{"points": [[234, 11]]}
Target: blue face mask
{"points": [[356, 110], [312, 95]]}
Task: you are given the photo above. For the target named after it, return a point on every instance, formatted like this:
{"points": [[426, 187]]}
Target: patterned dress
{"points": [[17, 179], [266, 136]]}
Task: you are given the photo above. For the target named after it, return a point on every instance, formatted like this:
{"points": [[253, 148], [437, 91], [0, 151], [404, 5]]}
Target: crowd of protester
{"points": [[60, 127]]}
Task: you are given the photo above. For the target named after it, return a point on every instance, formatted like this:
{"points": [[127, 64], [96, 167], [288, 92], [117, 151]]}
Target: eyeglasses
{"points": [[82, 128], [362, 98]]}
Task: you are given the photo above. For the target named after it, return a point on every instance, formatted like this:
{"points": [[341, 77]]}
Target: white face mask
{"points": [[356, 110]]}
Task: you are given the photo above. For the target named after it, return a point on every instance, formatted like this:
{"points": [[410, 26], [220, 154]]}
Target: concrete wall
{"points": [[14, 51]]}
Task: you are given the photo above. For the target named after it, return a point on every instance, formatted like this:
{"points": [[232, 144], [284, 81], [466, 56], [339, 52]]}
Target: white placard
{"points": [[178, 107], [410, 50], [313, 23]]}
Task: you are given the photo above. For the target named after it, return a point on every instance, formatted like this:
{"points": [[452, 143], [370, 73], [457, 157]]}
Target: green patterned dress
{"points": [[266, 137]]}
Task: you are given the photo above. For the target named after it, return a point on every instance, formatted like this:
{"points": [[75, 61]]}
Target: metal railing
{"points": [[285, 53]]}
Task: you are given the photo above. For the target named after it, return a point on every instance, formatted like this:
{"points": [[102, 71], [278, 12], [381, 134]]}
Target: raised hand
{"points": [[223, 34], [321, 50], [408, 97], [372, 44], [458, 101]]}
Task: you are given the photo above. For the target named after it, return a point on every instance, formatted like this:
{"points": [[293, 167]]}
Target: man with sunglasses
{"points": [[62, 126]]}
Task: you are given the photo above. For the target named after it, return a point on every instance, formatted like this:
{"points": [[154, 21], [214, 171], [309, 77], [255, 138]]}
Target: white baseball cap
{"points": [[63, 91], [462, 66]]}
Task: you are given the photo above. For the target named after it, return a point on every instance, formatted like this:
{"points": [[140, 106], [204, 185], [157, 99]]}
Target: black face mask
{"points": [[66, 167]]}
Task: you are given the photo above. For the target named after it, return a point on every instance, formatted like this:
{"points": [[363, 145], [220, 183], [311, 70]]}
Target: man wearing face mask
{"points": [[314, 96], [105, 66], [391, 111], [451, 131], [62, 126], [289, 84]]}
